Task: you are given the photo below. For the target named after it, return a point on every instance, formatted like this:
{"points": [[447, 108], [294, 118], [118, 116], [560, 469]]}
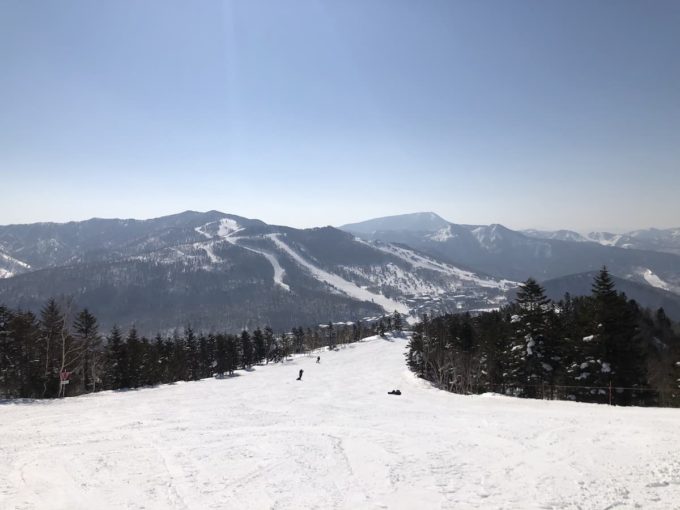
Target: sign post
{"points": [[63, 381]]}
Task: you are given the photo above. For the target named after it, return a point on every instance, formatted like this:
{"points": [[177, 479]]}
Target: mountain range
{"points": [[220, 271], [505, 253], [654, 239]]}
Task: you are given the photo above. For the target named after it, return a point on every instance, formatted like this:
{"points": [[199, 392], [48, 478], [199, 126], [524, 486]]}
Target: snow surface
{"points": [[12, 260], [335, 439], [654, 280], [8, 272], [442, 235], [349, 288], [228, 227], [605, 238]]}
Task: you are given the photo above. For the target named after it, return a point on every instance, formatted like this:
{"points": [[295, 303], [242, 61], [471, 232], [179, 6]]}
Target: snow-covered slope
{"points": [[560, 235], [334, 440], [9, 266]]}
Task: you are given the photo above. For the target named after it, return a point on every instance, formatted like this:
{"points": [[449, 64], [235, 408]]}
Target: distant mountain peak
{"points": [[411, 222]]}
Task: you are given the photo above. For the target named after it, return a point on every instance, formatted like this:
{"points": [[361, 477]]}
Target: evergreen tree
{"points": [[231, 348], [117, 361], [10, 356], [269, 342], [397, 322], [259, 346], [616, 355], [246, 350], [221, 354], [192, 355], [52, 325], [206, 349], [86, 332], [531, 352], [381, 328], [26, 333], [331, 339], [133, 348]]}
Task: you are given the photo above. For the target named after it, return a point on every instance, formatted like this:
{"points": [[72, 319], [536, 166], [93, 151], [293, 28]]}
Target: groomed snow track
{"points": [[333, 440]]}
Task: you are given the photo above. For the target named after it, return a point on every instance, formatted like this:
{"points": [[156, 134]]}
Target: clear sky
{"points": [[547, 114]]}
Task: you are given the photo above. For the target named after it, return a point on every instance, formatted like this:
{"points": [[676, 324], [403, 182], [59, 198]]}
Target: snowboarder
{"points": [[300, 376], [318, 359], [394, 392]]}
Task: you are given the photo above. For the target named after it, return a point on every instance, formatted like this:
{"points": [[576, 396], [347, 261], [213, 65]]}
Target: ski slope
{"points": [[334, 440], [349, 288]]}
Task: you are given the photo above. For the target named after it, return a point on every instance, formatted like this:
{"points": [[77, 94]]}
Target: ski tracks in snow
{"points": [[334, 441]]}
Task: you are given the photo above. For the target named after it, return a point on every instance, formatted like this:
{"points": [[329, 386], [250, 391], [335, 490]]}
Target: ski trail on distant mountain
{"points": [[202, 232], [420, 261], [12, 260], [653, 280], [208, 247], [346, 287], [226, 230], [278, 270]]}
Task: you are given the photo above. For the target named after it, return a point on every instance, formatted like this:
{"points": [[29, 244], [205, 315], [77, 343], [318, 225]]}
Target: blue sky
{"points": [[547, 114]]}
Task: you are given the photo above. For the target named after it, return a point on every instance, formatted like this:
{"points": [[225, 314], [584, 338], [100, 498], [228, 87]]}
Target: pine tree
{"points": [[531, 350], [134, 358], [117, 361], [614, 354], [52, 332], [221, 354], [246, 350], [206, 353], [381, 328], [259, 346], [10, 356], [231, 354], [192, 355], [86, 331], [26, 333], [269, 342], [331, 339], [397, 322]]}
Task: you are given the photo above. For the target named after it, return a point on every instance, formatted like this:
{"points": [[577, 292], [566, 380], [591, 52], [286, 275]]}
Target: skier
{"points": [[318, 359], [300, 376]]}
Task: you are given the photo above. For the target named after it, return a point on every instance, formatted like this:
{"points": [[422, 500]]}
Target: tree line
{"points": [[597, 348], [38, 351]]}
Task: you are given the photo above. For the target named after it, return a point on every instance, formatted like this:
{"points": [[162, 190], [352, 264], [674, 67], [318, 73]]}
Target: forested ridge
{"points": [[597, 348], [38, 352]]}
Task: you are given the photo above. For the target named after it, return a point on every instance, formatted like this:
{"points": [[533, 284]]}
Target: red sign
{"points": [[64, 376]]}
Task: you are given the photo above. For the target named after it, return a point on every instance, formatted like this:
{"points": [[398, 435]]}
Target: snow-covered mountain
{"points": [[663, 240], [560, 235], [9, 266], [420, 222], [224, 271], [652, 239], [505, 253]]}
